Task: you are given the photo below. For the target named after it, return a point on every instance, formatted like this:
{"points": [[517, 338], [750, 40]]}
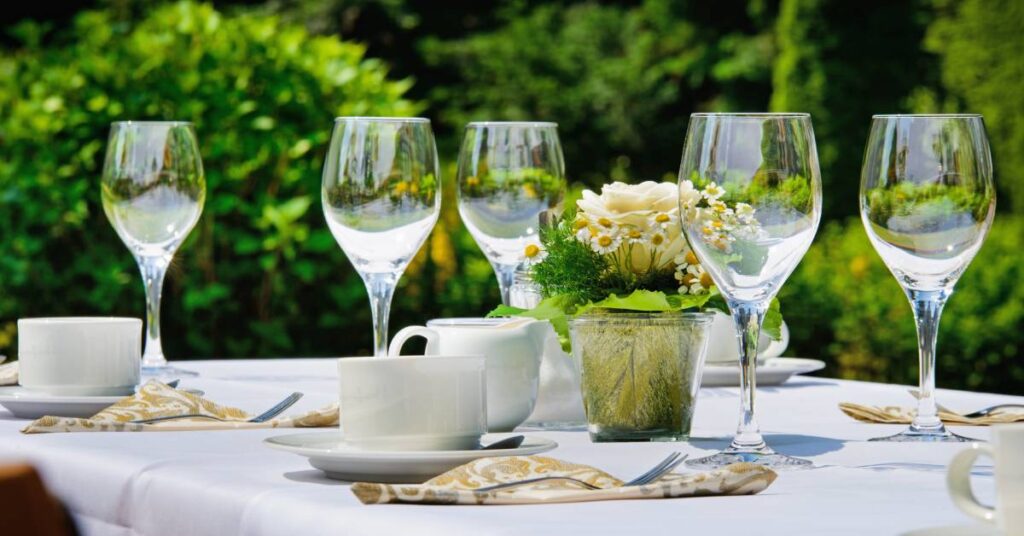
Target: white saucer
{"points": [[329, 453], [774, 371], [26, 404]]}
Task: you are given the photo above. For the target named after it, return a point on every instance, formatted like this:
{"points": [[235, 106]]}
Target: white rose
{"points": [[629, 204], [688, 195]]}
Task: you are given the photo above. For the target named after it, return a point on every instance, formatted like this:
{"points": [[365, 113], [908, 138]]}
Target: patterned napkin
{"points": [[457, 486], [9, 373], [902, 415], [156, 399]]}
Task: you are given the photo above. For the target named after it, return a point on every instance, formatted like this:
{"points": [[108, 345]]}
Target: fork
{"points": [[991, 409], [288, 402], [661, 469]]}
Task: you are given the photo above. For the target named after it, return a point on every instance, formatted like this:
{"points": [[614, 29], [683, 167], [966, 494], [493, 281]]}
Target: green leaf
{"points": [[772, 325], [555, 309], [650, 301]]}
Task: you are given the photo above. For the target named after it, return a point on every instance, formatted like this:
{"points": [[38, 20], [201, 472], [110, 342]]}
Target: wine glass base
{"points": [[166, 371], [765, 457], [916, 435]]}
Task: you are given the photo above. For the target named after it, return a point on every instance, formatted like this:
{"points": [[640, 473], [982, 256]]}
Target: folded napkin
{"points": [[156, 399], [9, 373], [457, 486], [902, 415]]}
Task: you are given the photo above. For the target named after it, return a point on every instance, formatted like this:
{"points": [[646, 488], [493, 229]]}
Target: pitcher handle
{"points": [[407, 333], [958, 480]]}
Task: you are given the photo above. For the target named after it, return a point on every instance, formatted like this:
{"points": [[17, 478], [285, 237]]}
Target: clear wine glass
{"points": [[153, 189], [509, 174], [750, 215], [381, 196], [927, 201]]}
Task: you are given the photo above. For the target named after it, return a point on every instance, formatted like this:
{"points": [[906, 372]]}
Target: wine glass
{"points": [[153, 189], [927, 201], [381, 196], [750, 203], [509, 175]]}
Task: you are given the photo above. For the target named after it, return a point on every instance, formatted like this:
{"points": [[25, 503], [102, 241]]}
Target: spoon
{"points": [[512, 442]]}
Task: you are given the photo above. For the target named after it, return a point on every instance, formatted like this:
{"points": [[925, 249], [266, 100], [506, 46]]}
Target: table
{"points": [[227, 482]]}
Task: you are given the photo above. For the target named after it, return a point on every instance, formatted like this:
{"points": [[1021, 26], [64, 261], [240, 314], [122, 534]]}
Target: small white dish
{"points": [[328, 452], [774, 371], [28, 404]]}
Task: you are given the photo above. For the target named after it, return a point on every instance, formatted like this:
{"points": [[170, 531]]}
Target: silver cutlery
{"points": [[279, 408], [664, 467], [992, 409]]}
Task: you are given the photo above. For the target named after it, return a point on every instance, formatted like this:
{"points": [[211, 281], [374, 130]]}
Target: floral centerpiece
{"points": [[628, 297]]}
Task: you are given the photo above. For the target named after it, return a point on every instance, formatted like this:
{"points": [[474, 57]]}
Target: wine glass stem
{"points": [[153, 271], [380, 287], [748, 317], [506, 277], [927, 306]]}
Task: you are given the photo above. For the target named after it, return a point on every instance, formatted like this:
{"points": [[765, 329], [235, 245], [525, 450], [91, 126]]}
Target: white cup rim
{"points": [[90, 320], [387, 359]]}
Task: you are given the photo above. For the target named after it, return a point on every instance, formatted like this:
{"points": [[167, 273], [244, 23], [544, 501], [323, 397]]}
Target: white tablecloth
{"points": [[227, 482]]}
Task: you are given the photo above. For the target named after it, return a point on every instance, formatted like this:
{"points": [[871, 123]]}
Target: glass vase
{"points": [[640, 373]]}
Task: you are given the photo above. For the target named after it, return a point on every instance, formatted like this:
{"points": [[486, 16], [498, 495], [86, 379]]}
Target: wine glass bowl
{"points": [[509, 175], [381, 195], [927, 201], [750, 205], [153, 189]]}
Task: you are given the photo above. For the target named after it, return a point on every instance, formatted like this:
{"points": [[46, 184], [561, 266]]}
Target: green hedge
{"points": [[844, 306], [260, 274]]}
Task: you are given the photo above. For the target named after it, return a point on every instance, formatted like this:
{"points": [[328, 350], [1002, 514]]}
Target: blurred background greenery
{"points": [[262, 80]]}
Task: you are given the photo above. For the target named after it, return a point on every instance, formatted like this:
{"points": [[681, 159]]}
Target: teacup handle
{"points": [[407, 333], [958, 480], [775, 348]]}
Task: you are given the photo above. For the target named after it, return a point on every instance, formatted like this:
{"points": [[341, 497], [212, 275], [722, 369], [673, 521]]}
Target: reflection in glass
{"points": [[510, 175], [381, 195], [750, 215], [153, 189], [927, 201]]}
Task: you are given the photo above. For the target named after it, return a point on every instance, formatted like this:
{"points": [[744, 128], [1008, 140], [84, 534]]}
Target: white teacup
{"points": [[80, 356], [435, 402], [724, 348], [513, 349], [1007, 453]]}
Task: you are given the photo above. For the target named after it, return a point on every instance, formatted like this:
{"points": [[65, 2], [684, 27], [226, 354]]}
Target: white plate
{"points": [[26, 404], [329, 453], [774, 371]]}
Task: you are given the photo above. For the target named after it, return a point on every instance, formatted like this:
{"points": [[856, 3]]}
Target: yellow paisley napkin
{"points": [[902, 415], [457, 486], [9, 373], [155, 399]]}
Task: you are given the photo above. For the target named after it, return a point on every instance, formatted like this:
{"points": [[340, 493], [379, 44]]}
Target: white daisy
{"points": [[663, 220], [634, 235], [607, 226], [712, 191], [688, 195], [657, 237], [534, 253], [605, 243]]}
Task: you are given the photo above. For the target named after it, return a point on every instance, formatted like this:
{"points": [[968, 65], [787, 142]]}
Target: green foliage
{"points": [[842, 62], [620, 81], [980, 46], [260, 274], [844, 306], [571, 267], [928, 202]]}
